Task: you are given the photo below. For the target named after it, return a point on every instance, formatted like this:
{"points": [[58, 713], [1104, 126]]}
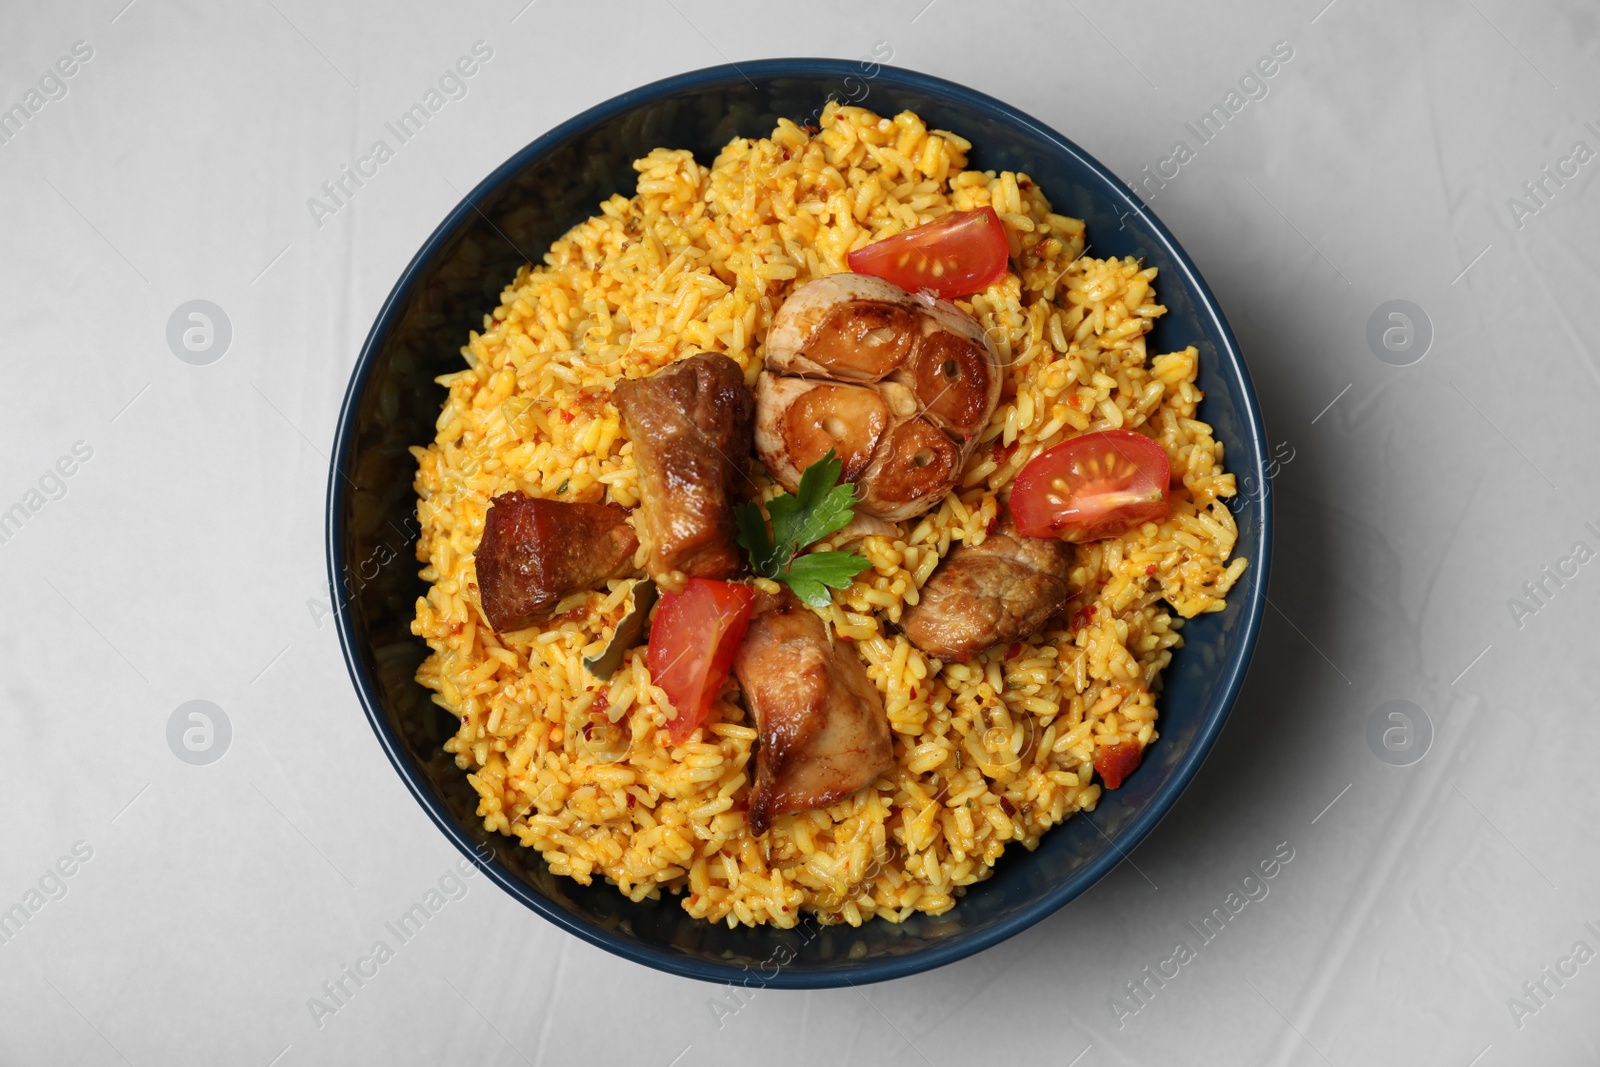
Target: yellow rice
{"points": [[987, 753]]}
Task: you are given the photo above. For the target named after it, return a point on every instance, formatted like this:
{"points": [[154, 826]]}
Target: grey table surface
{"points": [[1437, 501]]}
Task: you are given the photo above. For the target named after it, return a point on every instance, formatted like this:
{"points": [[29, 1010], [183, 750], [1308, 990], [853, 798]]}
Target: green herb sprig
{"points": [[819, 507]]}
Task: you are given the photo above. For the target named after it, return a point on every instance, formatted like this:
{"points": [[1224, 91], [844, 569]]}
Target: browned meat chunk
{"points": [[534, 552], [981, 595], [823, 730], [691, 426]]}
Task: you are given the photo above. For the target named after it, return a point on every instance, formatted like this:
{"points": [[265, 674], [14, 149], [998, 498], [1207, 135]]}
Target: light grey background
{"points": [[184, 561]]}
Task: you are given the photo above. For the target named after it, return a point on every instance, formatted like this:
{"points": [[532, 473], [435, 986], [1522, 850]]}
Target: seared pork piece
{"points": [[824, 733], [534, 552], [983, 595], [691, 426], [899, 385]]}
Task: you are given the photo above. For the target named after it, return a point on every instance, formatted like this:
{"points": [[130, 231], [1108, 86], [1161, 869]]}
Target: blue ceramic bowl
{"points": [[392, 402]]}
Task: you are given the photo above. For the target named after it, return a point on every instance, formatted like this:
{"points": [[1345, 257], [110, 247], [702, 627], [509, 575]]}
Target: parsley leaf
{"points": [[818, 507], [811, 575], [751, 533]]}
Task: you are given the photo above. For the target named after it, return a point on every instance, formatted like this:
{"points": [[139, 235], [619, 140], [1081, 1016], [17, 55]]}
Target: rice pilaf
{"points": [[987, 753]]}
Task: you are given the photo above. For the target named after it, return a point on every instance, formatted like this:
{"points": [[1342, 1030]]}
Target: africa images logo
{"points": [[1138, 992], [1542, 588], [339, 190], [1252, 86], [53, 86]]}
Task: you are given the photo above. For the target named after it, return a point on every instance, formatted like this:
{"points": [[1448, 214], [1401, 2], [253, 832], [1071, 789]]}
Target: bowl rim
{"points": [[844, 972]]}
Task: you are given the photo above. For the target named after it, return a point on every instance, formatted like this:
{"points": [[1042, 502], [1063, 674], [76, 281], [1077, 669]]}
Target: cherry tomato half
{"points": [[693, 639], [960, 253], [1094, 486]]}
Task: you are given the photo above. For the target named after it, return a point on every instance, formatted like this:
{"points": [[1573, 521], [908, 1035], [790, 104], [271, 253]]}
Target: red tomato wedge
{"points": [[1095, 486], [1117, 762], [692, 642], [960, 253]]}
